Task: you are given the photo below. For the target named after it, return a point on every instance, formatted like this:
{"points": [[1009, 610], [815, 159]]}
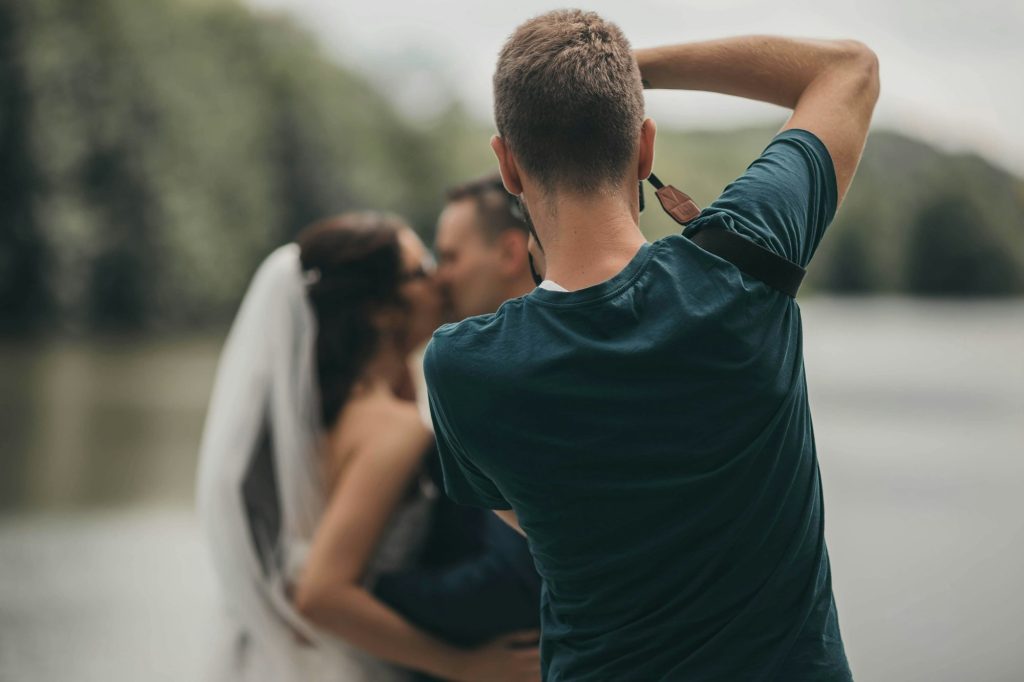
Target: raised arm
{"points": [[831, 85]]}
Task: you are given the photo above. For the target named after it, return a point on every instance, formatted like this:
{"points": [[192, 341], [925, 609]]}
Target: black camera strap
{"points": [[749, 257]]}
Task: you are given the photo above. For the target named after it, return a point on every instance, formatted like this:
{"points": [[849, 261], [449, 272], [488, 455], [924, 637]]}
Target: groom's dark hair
{"points": [[496, 209], [568, 100]]}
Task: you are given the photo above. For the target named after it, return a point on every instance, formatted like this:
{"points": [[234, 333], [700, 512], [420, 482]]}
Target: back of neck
{"points": [[588, 240]]}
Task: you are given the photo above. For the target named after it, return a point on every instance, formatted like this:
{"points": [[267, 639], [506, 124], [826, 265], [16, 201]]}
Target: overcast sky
{"points": [[951, 70]]}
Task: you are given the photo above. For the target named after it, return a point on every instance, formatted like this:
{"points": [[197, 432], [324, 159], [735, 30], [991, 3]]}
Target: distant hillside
{"points": [[899, 179], [152, 152]]}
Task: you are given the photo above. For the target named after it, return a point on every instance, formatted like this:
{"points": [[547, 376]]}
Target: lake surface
{"points": [[919, 417]]}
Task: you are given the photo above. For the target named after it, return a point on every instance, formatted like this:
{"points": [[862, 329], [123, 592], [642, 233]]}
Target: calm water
{"points": [[919, 417]]}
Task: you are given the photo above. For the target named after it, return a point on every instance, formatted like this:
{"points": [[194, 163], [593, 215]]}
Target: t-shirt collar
{"points": [[560, 296]]}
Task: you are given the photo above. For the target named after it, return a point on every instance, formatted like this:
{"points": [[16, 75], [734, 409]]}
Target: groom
{"points": [[647, 425], [481, 249], [474, 564]]}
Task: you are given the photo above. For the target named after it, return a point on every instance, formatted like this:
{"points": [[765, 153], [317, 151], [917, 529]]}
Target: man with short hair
{"points": [[481, 249], [474, 565], [648, 427]]}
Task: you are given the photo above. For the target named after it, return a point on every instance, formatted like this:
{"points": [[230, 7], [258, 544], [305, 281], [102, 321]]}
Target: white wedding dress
{"points": [[260, 493]]}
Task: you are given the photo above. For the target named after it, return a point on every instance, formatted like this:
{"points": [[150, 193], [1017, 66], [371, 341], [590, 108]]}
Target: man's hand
{"points": [[832, 85]]}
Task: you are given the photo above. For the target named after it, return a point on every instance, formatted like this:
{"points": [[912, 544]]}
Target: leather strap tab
{"points": [[677, 204]]}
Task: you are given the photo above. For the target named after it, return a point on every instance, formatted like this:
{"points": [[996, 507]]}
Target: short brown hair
{"points": [[568, 100], [496, 209]]}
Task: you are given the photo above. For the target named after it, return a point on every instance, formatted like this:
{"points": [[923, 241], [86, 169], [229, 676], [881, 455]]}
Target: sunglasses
{"points": [[422, 270]]}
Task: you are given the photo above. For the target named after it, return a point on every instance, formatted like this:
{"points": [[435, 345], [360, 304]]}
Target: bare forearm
{"points": [[353, 614], [764, 68]]}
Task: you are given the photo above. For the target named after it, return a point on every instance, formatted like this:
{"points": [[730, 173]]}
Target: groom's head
{"points": [[569, 108], [481, 249]]}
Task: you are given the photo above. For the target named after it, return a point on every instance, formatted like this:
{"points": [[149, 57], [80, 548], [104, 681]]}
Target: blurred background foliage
{"points": [[151, 153]]}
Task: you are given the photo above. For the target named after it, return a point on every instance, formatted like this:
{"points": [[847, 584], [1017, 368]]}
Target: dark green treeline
{"points": [[151, 153]]}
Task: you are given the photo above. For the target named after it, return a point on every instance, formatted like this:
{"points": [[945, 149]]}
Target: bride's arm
{"points": [[329, 592]]}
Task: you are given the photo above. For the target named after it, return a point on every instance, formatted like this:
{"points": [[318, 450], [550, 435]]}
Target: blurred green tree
{"points": [[24, 298], [151, 153], [954, 251]]}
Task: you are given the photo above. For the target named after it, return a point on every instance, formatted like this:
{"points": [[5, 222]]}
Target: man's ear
{"points": [[507, 166], [645, 159], [512, 252]]}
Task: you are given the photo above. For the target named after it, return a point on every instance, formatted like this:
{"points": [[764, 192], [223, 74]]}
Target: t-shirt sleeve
{"points": [[464, 481], [784, 200]]}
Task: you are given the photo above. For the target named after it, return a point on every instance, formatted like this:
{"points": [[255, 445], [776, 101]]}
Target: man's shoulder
{"points": [[474, 337], [454, 331], [479, 328], [471, 330]]}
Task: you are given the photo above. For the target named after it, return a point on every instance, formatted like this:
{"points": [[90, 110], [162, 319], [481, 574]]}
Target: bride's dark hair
{"points": [[353, 263]]}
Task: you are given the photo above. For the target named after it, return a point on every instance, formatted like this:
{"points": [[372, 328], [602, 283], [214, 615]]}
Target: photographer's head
{"points": [[481, 248], [569, 108]]}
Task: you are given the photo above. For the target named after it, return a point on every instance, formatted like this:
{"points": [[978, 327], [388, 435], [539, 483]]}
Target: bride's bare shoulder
{"points": [[381, 410], [378, 423]]}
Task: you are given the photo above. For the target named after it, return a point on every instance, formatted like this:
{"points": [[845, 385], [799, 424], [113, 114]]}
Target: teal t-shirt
{"points": [[653, 435]]}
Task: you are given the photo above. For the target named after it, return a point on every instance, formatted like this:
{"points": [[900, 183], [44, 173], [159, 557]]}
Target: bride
{"points": [[312, 480]]}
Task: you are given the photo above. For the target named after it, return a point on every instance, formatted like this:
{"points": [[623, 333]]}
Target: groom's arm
{"points": [[832, 85]]}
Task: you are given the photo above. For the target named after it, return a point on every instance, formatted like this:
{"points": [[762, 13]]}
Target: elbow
{"points": [[868, 61], [308, 600], [875, 83], [318, 603], [863, 61], [855, 48]]}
